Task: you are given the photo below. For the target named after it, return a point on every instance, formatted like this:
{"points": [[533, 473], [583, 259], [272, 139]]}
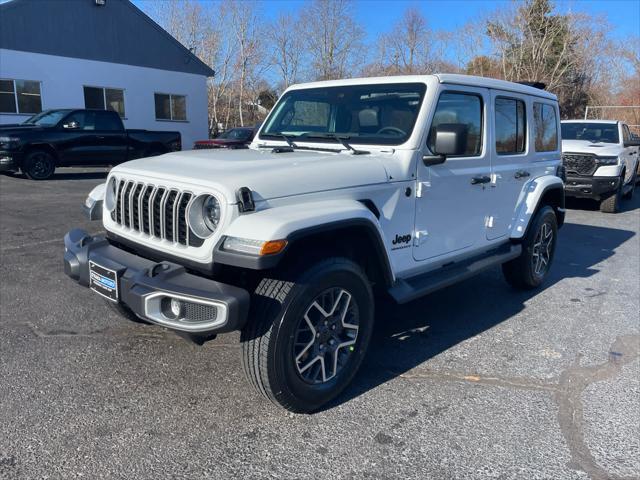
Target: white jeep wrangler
{"points": [[350, 190], [601, 161]]}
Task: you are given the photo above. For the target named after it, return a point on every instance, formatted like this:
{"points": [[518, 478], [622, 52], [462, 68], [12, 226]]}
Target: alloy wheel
{"points": [[542, 249], [325, 338]]}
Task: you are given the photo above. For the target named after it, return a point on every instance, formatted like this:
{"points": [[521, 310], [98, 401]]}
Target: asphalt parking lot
{"points": [[476, 381]]}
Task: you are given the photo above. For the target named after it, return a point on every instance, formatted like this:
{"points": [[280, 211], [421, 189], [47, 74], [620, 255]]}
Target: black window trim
{"points": [[481, 153], [186, 116], [104, 99], [525, 152], [15, 96]]}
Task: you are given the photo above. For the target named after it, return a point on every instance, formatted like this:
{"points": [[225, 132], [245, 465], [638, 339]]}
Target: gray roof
{"points": [[117, 32]]}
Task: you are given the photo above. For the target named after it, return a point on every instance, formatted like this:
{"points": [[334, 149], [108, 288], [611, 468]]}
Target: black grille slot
{"points": [[156, 211], [182, 218], [168, 214], [125, 205], [135, 213], [579, 163], [118, 210], [145, 208]]}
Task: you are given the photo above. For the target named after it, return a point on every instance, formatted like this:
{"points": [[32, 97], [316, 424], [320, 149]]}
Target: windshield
{"points": [[47, 118], [366, 114], [592, 132], [236, 134]]}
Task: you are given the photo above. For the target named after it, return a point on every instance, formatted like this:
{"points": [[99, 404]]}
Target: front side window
{"points": [[459, 108], [20, 96], [545, 129], [366, 114], [510, 126], [82, 121], [98, 98], [170, 107], [594, 132]]}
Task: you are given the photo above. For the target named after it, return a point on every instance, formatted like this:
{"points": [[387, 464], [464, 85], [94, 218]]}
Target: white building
{"points": [[99, 54]]}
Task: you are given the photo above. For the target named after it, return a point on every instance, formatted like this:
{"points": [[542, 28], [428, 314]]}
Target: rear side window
{"points": [[459, 108], [107, 121], [510, 125], [545, 127]]}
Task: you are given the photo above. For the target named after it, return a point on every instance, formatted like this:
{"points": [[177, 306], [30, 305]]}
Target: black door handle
{"points": [[480, 179], [521, 174]]}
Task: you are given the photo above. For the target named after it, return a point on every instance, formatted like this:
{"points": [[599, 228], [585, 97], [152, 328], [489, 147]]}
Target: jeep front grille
{"points": [[156, 211], [581, 164]]}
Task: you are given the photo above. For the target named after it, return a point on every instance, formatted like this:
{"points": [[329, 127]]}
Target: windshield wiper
{"points": [[286, 138], [338, 138]]}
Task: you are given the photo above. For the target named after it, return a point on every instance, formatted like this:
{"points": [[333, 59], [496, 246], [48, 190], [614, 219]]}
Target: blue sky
{"points": [[379, 15]]}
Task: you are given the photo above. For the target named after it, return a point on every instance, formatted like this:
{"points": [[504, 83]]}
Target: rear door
{"points": [[509, 159], [451, 198]]}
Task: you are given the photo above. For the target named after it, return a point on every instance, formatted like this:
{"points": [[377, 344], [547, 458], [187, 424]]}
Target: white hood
{"points": [[585, 146], [268, 175]]}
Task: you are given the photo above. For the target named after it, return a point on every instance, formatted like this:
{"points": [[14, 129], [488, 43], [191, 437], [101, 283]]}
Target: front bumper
{"points": [[9, 161], [590, 187], [143, 283]]}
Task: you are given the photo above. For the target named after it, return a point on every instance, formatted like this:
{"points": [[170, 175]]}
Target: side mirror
{"points": [[71, 125], [450, 140]]}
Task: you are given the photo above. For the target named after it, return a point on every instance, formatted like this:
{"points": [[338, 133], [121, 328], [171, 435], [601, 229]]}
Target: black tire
{"points": [[632, 186], [279, 361], [39, 165], [522, 272], [611, 204]]}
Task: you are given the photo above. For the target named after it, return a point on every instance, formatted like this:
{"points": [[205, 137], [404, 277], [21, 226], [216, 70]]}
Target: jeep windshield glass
{"points": [[592, 132], [364, 114], [47, 118]]}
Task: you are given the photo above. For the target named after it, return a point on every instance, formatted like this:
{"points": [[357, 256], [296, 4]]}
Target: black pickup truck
{"points": [[60, 138]]}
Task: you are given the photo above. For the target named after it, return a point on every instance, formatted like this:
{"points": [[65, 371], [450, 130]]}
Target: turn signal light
{"points": [[272, 247]]}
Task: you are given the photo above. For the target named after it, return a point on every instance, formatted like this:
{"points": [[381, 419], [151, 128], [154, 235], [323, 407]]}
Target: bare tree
{"points": [[334, 39], [285, 37]]}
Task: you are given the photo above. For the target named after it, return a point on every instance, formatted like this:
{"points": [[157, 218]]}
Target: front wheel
{"points": [[39, 165], [538, 247], [611, 204], [308, 334]]}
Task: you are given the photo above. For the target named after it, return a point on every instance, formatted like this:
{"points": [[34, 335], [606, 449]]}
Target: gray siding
{"points": [[117, 32]]}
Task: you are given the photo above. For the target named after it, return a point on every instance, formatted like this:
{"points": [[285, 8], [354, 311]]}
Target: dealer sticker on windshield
{"points": [[103, 281]]}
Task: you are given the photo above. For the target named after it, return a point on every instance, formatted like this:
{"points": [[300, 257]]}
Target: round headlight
{"points": [[211, 212], [204, 215], [110, 194]]}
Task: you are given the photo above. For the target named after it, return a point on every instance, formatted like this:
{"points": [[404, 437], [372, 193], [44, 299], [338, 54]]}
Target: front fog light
{"points": [[172, 308], [254, 247]]}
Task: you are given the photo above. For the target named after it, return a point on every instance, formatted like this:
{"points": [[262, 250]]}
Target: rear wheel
{"points": [[538, 247], [308, 334], [39, 165]]}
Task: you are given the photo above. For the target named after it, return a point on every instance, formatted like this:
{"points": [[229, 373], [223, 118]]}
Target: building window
{"points": [[510, 126], [170, 107], [104, 99], [20, 96]]}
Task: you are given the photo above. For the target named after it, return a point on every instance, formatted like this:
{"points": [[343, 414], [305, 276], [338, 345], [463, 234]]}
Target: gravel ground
{"points": [[476, 381]]}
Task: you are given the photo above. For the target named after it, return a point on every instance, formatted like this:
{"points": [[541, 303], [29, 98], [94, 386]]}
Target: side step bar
{"points": [[408, 289]]}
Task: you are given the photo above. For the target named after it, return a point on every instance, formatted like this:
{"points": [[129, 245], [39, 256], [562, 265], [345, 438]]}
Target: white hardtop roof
{"points": [[451, 78], [591, 120]]}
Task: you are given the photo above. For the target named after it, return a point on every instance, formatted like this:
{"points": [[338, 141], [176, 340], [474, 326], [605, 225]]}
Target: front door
{"points": [[451, 198]]}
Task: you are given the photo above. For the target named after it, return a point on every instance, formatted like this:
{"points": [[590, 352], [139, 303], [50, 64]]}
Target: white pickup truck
{"points": [[394, 186], [601, 161]]}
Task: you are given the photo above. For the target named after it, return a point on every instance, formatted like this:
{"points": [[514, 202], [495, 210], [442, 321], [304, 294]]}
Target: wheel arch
{"points": [[342, 228], [546, 190]]}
